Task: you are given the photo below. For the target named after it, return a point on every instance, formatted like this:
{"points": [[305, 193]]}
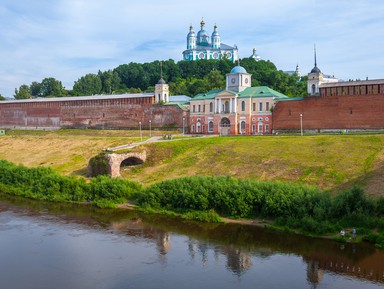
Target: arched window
{"points": [[198, 126], [253, 128], [225, 122], [210, 126], [226, 107], [242, 127], [313, 89], [211, 107], [193, 128], [243, 105]]}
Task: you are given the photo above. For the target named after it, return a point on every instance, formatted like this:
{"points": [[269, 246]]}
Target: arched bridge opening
{"points": [[131, 161]]}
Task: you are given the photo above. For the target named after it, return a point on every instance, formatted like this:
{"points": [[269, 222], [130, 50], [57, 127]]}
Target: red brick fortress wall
{"points": [[90, 113], [331, 113]]}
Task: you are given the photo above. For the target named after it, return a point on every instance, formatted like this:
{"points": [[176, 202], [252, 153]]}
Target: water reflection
{"points": [[241, 249]]}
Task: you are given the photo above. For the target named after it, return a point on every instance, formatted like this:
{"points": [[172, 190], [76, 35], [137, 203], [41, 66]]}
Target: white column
{"points": [[220, 106], [235, 105], [230, 105]]}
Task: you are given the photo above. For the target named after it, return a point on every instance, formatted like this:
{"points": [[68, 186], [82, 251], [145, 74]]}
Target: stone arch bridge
{"points": [[111, 163]]}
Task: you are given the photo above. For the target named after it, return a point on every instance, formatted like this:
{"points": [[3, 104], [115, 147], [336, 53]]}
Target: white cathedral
{"points": [[201, 47]]}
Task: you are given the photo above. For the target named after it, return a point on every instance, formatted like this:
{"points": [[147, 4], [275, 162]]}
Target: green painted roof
{"points": [[253, 92], [260, 92], [180, 104], [208, 95]]}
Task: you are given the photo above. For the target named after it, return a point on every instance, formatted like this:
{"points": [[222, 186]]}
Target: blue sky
{"points": [[67, 39]]}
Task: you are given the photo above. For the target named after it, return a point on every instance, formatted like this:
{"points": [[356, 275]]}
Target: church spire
{"points": [[315, 69]]}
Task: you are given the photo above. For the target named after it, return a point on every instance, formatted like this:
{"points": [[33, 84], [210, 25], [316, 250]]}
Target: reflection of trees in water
{"points": [[314, 274], [239, 245], [237, 261]]}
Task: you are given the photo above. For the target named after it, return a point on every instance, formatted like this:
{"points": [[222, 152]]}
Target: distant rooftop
{"points": [[352, 83], [179, 98]]}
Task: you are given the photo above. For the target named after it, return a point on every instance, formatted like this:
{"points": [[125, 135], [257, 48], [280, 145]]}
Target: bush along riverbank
{"points": [[287, 206], [43, 183]]}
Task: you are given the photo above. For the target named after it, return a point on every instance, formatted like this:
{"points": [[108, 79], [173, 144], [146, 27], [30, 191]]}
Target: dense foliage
{"points": [[288, 205], [294, 206], [184, 77], [44, 184]]}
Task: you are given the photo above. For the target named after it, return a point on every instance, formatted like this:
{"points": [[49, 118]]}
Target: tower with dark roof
{"points": [[161, 89], [315, 78]]}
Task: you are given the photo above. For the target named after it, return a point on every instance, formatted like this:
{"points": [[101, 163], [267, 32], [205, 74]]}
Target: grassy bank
{"points": [[328, 162], [332, 162]]}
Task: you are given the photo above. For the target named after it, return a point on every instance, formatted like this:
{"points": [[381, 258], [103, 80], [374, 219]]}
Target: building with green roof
{"points": [[237, 109]]}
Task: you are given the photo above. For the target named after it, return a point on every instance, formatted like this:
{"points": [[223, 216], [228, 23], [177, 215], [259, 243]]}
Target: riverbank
{"points": [[283, 165], [330, 162]]}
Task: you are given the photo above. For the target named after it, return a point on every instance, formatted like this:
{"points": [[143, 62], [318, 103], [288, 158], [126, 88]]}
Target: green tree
{"points": [[132, 75], [110, 81], [23, 92], [50, 87], [35, 89], [215, 80], [2, 97], [89, 84]]}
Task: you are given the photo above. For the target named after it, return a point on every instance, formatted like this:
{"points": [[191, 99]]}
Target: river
{"points": [[45, 245]]}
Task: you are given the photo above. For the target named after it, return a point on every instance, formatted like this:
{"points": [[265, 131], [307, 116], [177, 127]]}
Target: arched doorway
{"points": [[225, 125]]}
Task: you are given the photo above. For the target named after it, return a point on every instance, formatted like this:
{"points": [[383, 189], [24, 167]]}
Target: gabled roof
{"points": [[260, 92], [250, 92], [208, 95]]}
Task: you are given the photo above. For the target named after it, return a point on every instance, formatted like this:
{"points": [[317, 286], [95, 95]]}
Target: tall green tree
{"points": [[23, 92], [50, 87], [215, 80], [35, 89], [110, 81], [132, 75], [89, 84]]}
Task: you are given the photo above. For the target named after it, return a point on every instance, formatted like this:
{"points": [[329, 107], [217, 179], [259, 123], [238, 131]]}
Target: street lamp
{"points": [[150, 128], [301, 124], [141, 135], [183, 124]]}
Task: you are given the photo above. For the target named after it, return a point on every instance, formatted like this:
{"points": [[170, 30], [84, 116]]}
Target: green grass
{"points": [[327, 161]]}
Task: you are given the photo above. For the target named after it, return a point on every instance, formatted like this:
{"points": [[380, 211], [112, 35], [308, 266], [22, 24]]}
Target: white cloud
{"points": [[66, 39]]}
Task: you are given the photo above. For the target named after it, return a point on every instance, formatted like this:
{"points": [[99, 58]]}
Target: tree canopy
{"points": [[184, 77]]}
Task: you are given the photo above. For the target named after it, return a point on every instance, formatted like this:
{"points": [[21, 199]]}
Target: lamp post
{"points": [[150, 128], [141, 135], [183, 124], [301, 124]]}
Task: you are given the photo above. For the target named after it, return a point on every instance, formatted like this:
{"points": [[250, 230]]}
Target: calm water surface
{"points": [[62, 246]]}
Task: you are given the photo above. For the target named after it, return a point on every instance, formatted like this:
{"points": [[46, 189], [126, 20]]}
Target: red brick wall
{"points": [[331, 112], [117, 113]]}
